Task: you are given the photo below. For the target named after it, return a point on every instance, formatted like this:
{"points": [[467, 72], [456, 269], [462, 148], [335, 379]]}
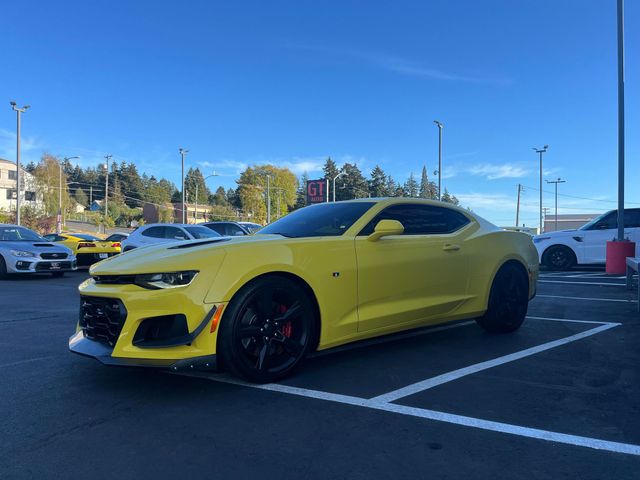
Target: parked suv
{"points": [[155, 233], [24, 251], [587, 245]]}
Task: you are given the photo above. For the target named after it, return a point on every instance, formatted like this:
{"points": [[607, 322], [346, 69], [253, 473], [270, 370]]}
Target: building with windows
{"points": [[569, 221], [8, 192]]}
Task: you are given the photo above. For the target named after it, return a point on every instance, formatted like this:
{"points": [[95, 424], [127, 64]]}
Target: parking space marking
{"points": [[587, 298], [596, 322], [527, 432], [387, 339], [583, 283], [478, 367]]}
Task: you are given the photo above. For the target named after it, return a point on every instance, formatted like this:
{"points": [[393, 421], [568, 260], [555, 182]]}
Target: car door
{"points": [[595, 238], [414, 278]]}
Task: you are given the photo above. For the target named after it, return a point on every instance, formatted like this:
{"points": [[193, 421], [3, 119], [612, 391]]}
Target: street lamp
{"points": [[440, 126], [334, 183], [183, 153], [18, 111], [195, 214], [556, 182], [59, 220], [540, 151], [106, 188]]}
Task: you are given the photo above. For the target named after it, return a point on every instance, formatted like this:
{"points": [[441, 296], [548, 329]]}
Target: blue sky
{"points": [[292, 82]]}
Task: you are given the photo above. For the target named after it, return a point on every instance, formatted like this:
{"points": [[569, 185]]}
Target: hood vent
{"points": [[197, 244], [43, 245]]}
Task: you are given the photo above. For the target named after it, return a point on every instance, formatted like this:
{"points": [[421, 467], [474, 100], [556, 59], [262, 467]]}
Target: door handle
{"points": [[450, 247]]}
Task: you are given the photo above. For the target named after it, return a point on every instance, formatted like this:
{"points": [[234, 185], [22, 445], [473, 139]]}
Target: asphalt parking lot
{"points": [[557, 399]]}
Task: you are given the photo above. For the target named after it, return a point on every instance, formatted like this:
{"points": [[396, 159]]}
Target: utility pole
{"points": [[334, 183], [106, 189], [440, 126], [518, 206], [183, 153], [541, 151], [18, 111], [556, 182], [59, 222], [268, 199], [90, 195], [620, 120], [545, 212]]}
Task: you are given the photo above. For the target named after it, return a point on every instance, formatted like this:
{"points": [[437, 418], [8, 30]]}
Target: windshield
{"points": [[201, 232], [251, 227], [19, 234], [322, 220]]}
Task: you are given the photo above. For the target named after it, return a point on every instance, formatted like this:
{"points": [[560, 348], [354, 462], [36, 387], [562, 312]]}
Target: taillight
{"points": [[115, 245], [86, 245]]}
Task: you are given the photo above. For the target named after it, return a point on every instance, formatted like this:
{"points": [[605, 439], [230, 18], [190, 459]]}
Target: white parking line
{"points": [[571, 320], [535, 433], [478, 367], [587, 298], [583, 283]]}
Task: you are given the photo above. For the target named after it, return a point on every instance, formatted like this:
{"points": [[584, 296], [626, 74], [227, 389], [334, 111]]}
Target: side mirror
{"points": [[385, 228]]}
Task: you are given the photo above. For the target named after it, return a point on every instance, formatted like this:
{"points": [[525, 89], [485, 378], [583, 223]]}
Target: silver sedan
{"points": [[24, 251]]}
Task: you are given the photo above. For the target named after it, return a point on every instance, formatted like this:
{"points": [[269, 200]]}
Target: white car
{"points": [[587, 245], [155, 233]]}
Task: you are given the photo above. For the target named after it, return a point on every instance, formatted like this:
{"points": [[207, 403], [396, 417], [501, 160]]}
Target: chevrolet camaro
{"points": [[322, 276]]}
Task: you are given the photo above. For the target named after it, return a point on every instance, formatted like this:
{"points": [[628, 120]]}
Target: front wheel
{"points": [[559, 257], [3, 269], [508, 301], [267, 329]]}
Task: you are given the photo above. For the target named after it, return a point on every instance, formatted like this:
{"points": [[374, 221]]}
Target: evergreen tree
{"points": [[219, 198], [330, 170], [354, 184], [428, 189], [378, 183], [411, 186], [81, 197], [391, 186], [301, 194], [448, 198]]}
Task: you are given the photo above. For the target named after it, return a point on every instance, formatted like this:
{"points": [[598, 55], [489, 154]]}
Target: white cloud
{"points": [[8, 144], [495, 171]]}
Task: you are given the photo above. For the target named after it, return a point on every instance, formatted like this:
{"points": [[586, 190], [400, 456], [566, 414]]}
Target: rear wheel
{"points": [[267, 329], [559, 257], [508, 301]]}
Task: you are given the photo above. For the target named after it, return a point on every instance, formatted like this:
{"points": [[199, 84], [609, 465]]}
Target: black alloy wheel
{"points": [[559, 258], [3, 269], [267, 329], [508, 301]]}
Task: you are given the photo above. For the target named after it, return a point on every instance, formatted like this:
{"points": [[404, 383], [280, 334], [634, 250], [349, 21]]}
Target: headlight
{"points": [[22, 253], [540, 239], [156, 281]]}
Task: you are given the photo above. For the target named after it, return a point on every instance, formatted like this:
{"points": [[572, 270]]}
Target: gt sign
{"points": [[316, 191]]}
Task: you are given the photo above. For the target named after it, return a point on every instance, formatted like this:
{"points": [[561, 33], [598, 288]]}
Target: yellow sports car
{"points": [[87, 248], [322, 276]]}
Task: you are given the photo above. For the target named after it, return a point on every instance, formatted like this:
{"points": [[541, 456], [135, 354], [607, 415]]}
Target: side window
{"points": [[155, 232], [632, 218], [174, 233], [218, 228], [608, 222], [234, 230], [420, 219]]}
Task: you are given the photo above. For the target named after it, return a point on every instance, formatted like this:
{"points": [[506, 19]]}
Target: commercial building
{"points": [[569, 221]]}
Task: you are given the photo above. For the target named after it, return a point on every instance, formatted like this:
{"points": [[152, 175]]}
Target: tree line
{"points": [[129, 190]]}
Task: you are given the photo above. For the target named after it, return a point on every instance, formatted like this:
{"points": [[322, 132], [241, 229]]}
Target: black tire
{"points": [[57, 274], [267, 329], [559, 257], [3, 269], [128, 249], [508, 301]]}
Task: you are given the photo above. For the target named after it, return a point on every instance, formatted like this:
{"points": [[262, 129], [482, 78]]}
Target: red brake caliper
{"points": [[287, 328]]}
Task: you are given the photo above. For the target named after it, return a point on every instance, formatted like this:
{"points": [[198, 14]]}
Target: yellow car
{"points": [[87, 248], [322, 276]]}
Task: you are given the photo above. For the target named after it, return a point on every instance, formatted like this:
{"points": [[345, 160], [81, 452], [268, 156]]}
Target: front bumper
{"points": [[38, 265], [103, 353]]}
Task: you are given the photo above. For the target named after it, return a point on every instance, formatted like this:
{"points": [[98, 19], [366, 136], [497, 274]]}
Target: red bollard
{"points": [[617, 253]]}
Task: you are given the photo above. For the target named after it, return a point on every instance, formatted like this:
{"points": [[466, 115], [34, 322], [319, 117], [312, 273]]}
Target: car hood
{"points": [[175, 256], [559, 233], [35, 247]]}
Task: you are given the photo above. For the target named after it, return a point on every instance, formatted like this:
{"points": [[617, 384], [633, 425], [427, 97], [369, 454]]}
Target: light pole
{"points": [[195, 214], [334, 183], [540, 151], [59, 222], [183, 153], [18, 111], [106, 188], [556, 182], [440, 126], [620, 24]]}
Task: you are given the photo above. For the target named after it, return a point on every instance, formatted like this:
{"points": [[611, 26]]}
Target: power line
{"points": [[582, 198]]}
